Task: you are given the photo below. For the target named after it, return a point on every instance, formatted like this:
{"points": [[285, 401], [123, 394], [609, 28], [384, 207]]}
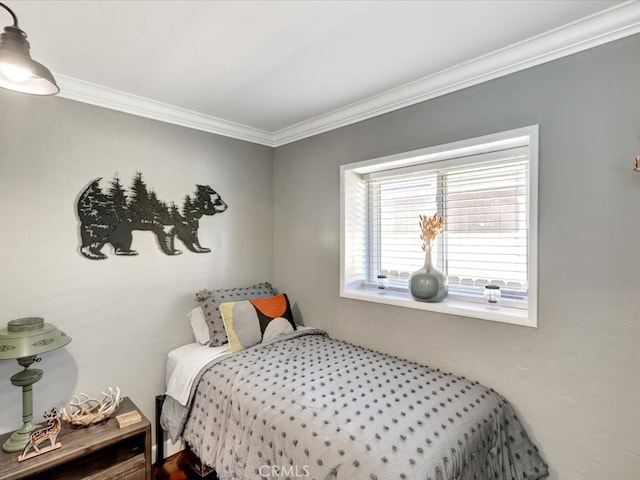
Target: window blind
{"points": [[484, 199]]}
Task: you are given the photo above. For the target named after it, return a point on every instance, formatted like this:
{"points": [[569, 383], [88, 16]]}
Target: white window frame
{"points": [[352, 283]]}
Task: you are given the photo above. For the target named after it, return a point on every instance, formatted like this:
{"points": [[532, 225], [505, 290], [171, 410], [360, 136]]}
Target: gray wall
{"points": [[574, 380], [123, 313]]}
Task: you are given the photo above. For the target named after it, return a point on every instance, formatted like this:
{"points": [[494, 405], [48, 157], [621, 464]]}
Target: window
{"points": [[486, 188]]}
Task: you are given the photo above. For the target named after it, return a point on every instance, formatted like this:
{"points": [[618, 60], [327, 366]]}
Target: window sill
{"points": [[503, 314]]}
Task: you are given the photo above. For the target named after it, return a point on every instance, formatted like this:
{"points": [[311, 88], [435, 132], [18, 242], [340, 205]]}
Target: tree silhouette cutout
{"points": [[118, 196]]}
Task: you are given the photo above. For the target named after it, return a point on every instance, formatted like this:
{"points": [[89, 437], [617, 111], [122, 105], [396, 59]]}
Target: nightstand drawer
{"points": [[132, 469]]}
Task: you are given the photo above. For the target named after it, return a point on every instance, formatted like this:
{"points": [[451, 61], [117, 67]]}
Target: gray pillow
{"points": [[210, 301]]}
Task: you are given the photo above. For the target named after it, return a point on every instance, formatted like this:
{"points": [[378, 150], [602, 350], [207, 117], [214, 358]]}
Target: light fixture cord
{"points": [[15, 19]]}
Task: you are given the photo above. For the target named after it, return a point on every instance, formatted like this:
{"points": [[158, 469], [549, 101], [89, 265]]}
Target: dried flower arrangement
{"points": [[431, 227], [85, 410]]}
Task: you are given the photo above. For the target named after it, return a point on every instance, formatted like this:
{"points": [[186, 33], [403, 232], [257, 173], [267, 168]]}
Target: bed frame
{"points": [[189, 458]]}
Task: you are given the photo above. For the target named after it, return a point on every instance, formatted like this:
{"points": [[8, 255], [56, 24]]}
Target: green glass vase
{"points": [[428, 284]]}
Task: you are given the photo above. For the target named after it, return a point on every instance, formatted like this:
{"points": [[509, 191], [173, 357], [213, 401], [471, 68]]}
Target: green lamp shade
{"points": [[29, 336]]}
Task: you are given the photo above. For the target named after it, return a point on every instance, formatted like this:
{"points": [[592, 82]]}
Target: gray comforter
{"points": [[307, 406]]}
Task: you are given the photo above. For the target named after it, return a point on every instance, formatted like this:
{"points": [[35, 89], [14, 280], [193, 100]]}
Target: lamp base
{"points": [[18, 439], [25, 379]]}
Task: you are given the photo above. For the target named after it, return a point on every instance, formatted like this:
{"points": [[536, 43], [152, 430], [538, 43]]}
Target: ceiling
{"points": [[272, 72]]}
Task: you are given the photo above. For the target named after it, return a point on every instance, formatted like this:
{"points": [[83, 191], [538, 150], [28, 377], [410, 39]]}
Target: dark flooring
{"points": [[174, 468]]}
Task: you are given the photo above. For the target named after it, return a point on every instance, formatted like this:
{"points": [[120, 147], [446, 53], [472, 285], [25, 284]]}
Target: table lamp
{"points": [[24, 339]]}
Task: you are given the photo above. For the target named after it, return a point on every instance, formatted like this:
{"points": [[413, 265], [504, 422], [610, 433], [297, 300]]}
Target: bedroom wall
{"points": [[573, 380], [123, 313]]}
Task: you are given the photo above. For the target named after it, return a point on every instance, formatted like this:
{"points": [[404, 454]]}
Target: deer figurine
{"points": [[50, 433]]}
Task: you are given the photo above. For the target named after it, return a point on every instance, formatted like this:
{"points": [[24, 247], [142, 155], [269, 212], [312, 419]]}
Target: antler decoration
{"points": [[431, 227], [85, 410]]}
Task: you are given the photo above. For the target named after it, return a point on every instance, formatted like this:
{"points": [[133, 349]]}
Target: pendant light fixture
{"points": [[18, 71]]}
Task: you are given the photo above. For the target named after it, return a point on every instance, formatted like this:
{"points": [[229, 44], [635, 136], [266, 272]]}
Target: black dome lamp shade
{"points": [[18, 71]]}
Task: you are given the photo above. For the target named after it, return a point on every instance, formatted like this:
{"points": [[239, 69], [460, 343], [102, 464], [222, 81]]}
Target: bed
{"points": [[304, 405]]}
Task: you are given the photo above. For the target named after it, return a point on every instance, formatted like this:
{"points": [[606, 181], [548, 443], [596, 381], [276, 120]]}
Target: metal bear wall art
{"points": [[111, 216]]}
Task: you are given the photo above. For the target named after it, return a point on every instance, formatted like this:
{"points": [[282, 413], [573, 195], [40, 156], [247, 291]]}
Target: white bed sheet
{"points": [[183, 365]]}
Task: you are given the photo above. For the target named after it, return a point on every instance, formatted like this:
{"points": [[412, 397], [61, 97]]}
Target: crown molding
{"points": [[85, 92], [609, 25]]}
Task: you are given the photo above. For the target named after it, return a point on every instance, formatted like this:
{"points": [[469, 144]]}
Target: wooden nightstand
{"points": [[98, 452]]}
